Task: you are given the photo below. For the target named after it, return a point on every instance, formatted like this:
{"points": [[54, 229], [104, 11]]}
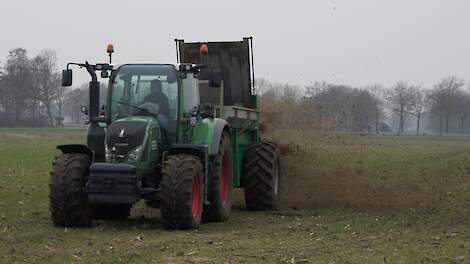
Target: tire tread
{"points": [[260, 163]]}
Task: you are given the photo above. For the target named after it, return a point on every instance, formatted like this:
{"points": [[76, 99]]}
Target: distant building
{"points": [[382, 126]]}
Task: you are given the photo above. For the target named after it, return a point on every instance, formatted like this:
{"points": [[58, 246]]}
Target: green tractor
{"points": [[180, 137]]}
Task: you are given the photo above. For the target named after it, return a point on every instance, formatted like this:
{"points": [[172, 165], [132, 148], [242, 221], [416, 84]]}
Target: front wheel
{"points": [[68, 176], [181, 196]]}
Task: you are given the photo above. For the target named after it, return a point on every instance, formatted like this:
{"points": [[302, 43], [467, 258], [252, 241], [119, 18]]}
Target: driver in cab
{"points": [[157, 97]]}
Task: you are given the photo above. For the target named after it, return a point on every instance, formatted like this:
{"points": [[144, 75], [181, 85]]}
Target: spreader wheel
{"points": [[181, 193], [262, 176]]}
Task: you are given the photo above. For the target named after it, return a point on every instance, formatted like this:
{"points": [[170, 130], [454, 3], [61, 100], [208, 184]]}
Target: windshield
{"points": [[145, 90]]}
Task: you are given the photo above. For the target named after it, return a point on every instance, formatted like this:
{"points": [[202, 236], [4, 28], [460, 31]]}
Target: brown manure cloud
{"points": [[372, 173]]}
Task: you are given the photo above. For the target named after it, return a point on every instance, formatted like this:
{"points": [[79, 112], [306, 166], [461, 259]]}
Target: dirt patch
{"points": [[352, 191], [24, 135]]}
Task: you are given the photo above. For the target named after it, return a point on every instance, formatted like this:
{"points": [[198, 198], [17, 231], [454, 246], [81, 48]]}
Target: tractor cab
{"points": [[145, 90], [142, 100]]}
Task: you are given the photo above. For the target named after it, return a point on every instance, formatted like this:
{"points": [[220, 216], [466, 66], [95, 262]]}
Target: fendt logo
{"points": [[121, 134]]}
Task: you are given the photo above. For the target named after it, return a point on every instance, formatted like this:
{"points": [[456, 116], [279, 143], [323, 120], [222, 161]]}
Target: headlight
{"points": [[134, 154]]}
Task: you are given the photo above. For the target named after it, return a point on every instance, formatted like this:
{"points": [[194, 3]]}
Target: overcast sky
{"points": [[356, 42]]}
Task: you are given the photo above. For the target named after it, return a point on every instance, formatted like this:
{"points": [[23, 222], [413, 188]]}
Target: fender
{"points": [[208, 132], [76, 148], [219, 128]]}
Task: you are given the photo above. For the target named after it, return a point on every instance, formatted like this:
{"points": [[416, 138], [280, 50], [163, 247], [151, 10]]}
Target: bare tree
{"points": [[315, 94], [443, 99], [16, 85], [419, 102], [399, 99], [341, 107], [378, 93], [73, 100], [451, 87], [46, 80], [2, 90], [437, 98], [462, 108]]}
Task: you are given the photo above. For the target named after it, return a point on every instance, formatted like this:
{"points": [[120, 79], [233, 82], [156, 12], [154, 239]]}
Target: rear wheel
{"points": [[220, 183], [181, 193], [262, 176], [68, 176], [112, 211]]}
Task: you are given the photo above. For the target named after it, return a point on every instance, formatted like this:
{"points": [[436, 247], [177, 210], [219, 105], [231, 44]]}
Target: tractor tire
{"points": [[69, 206], [220, 184], [262, 177], [181, 195], [115, 212]]}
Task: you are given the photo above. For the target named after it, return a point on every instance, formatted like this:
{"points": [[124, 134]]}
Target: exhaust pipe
{"points": [[94, 94]]}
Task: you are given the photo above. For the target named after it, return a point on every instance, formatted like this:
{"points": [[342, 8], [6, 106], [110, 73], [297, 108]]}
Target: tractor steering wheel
{"points": [[153, 108]]}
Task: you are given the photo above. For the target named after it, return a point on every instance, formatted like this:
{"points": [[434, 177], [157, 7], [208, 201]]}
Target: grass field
{"points": [[347, 199]]}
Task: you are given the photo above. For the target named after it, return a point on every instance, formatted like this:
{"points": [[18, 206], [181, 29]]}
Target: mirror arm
{"points": [[91, 70], [74, 63]]}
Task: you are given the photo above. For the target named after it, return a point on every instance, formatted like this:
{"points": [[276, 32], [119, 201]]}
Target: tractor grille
{"points": [[125, 136]]}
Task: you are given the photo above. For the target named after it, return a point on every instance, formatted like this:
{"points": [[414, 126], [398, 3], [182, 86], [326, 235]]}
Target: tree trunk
{"points": [[403, 124], [447, 122], [399, 125], [402, 119], [377, 121], [417, 125], [462, 120], [17, 115], [440, 122], [49, 113], [34, 111]]}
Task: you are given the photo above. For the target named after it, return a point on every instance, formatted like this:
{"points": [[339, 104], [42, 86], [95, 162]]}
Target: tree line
{"points": [[32, 95], [29, 88], [445, 108]]}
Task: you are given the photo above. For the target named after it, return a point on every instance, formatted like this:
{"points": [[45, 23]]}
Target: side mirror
{"points": [[67, 77]]}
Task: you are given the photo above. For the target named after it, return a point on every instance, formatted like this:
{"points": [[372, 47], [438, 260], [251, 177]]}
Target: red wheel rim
{"points": [[223, 180], [195, 203]]}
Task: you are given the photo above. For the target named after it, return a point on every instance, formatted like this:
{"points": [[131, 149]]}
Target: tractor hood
{"points": [[126, 138]]}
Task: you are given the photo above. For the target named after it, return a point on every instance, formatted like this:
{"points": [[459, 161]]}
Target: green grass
{"points": [[365, 199]]}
